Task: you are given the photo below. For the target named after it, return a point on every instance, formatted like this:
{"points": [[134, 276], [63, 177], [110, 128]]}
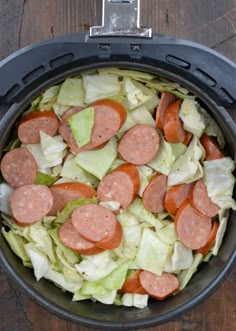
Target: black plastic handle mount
{"points": [[180, 60]]}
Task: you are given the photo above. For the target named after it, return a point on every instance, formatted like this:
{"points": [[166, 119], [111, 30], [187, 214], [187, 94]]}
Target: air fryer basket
{"points": [[204, 72]]}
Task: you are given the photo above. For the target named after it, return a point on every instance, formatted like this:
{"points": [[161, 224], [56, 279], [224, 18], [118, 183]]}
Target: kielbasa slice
{"points": [[175, 196], [159, 287], [121, 185], [192, 228], [212, 152], [132, 284], [166, 99], [109, 118], [205, 249], [73, 240], [18, 167], [154, 194], [98, 225], [173, 126], [30, 203], [199, 199], [139, 144], [65, 192], [34, 122], [188, 138]]}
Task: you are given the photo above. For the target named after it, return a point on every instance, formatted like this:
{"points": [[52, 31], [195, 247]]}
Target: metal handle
{"points": [[121, 18]]}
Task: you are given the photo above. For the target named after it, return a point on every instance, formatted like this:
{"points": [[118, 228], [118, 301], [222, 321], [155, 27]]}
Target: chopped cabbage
{"points": [[60, 280], [49, 98], [223, 218], [141, 115], [5, 192], [134, 74], [101, 86], [213, 129], [221, 190], [152, 253], [39, 261], [185, 275], [192, 118], [167, 234], [107, 298], [71, 93], [129, 122], [182, 257], [17, 244], [44, 179], [135, 300], [96, 267], [99, 161], [81, 125], [164, 159], [178, 149], [145, 173], [52, 147], [37, 152], [143, 215]]}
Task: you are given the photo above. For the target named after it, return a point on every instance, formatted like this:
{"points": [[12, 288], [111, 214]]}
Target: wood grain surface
{"points": [[210, 22]]}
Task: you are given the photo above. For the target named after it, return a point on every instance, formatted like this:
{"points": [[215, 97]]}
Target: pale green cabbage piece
{"points": [[214, 130], [152, 253], [143, 215], [134, 74], [167, 234], [107, 298], [49, 97], [81, 125], [178, 149], [100, 86], [71, 170], [187, 168], [37, 152], [5, 192], [220, 191], [17, 244], [99, 161], [164, 158], [182, 257], [71, 93], [141, 115], [223, 219], [96, 267], [129, 122], [185, 275], [44, 179], [135, 300], [38, 259], [53, 147], [145, 173], [59, 279], [193, 119]]}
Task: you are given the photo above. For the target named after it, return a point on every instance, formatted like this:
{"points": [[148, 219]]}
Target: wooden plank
{"points": [[212, 23]]}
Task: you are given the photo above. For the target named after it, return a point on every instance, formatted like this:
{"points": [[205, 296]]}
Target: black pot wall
{"points": [[203, 283]]}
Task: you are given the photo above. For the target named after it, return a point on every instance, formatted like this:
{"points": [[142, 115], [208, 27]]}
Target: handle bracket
{"points": [[121, 18]]}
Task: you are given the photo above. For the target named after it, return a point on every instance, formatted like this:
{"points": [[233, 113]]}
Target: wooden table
{"points": [[212, 23]]}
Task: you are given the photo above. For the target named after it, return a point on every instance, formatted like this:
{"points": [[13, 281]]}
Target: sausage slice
{"points": [[192, 228], [173, 126], [30, 203], [139, 144], [120, 185], [98, 225], [199, 199], [132, 284], [34, 122], [159, 287], [109, 118], [166, 99], [18, 167], [205, 249], [154, 194], [73, 240], [175, 196], [69, 191], [212, 152]]}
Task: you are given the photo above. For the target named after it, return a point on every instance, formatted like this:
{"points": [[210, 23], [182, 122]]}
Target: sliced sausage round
{"points": [[132, 284], [175, 196], [34, 122], [205, 249], [166, 99], [192, 228], [120, 185], [199, 199], [139, 144], [159, 287], [154, 194], [65, 192], [73, 240], [109, 118], [18, 167], [173, 126], [98, 225], [212, 152], [188, 138], [30, 203]]}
